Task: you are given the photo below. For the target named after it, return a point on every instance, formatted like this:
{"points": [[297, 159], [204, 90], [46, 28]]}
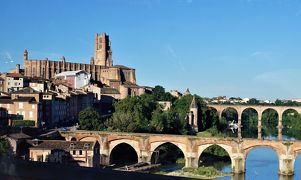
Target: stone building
{"points": [[2, 81], [76, 79], [14, 82], [101, 68], [68, 152]]}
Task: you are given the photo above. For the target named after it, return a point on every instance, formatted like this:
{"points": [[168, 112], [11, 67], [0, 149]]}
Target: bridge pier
{"points": [[104, 158], [259, 136], [239, 128], [238, 165], [279, 127], [145, 157], [191, 162], [286, 165]]}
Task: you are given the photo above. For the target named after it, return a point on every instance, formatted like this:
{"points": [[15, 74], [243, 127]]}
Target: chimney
{"points": [[17, 68]]}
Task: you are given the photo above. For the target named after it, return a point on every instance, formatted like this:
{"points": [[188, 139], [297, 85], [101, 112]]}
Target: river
{"points": [[262, 163]]}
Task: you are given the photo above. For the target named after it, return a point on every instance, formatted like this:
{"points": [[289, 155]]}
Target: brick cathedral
{"points": [[101, 68]]}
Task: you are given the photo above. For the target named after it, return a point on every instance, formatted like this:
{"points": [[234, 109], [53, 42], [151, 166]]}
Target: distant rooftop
{"points": [[69, 73]]}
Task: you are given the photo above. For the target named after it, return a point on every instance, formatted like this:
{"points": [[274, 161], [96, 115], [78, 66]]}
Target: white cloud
{"points": [[262, 54], [6, 57], [177, 60]]}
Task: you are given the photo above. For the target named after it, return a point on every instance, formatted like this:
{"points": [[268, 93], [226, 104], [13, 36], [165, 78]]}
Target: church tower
{"points": [[193, 115], [103, 52], [25, 55]]}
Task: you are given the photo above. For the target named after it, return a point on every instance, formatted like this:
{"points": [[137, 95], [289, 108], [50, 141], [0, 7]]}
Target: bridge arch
{"points": [[134, 144], [230, 113], [155, 145], [284, 110], [227, 148], [264, 109], [248, 108], [277, 150], [250, 122], [270, 122]]}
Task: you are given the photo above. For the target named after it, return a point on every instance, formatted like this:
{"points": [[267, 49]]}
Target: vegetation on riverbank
{"points": [[200, 173], [143, 114], [4, 146]]}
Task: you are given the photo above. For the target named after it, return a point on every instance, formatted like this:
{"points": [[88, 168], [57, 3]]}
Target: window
{"points": [[80, 152], [73, 152], [40, 158], [20, 105]]}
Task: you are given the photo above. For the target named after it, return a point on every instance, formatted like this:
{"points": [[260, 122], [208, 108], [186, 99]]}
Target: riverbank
{"points": [[198, 173]]}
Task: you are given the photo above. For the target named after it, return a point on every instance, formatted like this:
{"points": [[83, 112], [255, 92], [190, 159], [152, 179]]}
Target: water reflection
{"points": [[298, 167], [262, 163]]}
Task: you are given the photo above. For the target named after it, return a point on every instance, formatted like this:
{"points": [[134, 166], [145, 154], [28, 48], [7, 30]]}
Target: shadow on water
{"points": [[11, 169]]}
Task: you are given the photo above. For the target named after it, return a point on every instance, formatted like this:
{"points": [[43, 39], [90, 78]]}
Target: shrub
{"points": [[25, 123]]}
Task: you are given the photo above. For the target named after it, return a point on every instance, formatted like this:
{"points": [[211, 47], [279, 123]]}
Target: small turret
{"points": [[92, 61], [193, 115], [63, 59], [187, 92], [25, 55], [193, 103]]}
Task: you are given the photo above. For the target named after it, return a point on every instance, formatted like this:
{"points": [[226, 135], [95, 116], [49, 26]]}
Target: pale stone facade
{"points": [[13, 82], [76, 79]]}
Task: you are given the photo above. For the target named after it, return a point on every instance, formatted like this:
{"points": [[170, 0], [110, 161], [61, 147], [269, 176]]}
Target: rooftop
{"points": [[26, 90], [61, 144], [70, 73], [14, 75]]}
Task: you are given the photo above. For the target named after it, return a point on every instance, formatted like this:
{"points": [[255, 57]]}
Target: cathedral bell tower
{"points": [[25, 55], [103, 52]]}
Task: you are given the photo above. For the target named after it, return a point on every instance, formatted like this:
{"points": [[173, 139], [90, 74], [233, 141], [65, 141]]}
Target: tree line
{"points": [[143, 114]]}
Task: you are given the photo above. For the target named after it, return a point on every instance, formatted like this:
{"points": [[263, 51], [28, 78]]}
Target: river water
{"points": [[262, 163]]}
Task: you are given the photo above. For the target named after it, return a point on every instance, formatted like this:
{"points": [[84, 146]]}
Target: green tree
{"points": [[132, 114], [269, 122], [89, 119], [159, 94], [253, 101], [4, 146], [278, 102]]}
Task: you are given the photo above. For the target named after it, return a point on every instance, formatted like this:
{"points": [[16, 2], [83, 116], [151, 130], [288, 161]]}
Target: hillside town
{"points": [[42, 99], [52, 93]]}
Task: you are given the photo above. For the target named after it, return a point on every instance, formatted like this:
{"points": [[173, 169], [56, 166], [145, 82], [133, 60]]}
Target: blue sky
{"points": [[237, 48]]}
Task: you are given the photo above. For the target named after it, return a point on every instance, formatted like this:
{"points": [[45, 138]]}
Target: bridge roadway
{"points": [[191, 146], [220, 108]]}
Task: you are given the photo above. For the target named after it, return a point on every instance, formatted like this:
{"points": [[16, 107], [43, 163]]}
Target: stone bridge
{"points": [[220, 108], [191, 146]]}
